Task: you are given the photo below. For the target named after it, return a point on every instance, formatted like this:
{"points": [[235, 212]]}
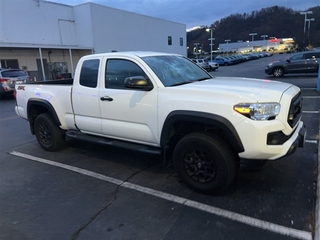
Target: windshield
{"points": [[175, 70], [13, 73]]}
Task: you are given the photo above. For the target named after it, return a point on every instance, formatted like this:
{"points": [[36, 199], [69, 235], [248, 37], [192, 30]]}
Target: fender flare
{"points": [[202, 117], [44, 105]]}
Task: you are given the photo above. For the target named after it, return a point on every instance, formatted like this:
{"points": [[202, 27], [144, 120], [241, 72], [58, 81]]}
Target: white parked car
{"points": [[202, 63], [213, 65]]}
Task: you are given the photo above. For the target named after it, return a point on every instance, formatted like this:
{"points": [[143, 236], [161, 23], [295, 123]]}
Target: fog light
{"points": [[277, 138], [273, 138]]}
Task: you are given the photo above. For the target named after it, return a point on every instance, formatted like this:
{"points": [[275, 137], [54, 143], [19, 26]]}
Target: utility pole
{"points": [[304, 26]]}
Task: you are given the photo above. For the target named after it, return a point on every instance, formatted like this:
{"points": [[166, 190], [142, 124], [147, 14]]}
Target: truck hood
{"points": [[255, 89]]}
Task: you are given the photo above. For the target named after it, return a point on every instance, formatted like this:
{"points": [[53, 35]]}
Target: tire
{"points": [[278, 72], [49, 136], [204, 162]]}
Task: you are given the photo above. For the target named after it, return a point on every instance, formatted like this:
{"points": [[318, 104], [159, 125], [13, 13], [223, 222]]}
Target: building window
{"points": [[169, 40], [9, 63], [181, 41]]}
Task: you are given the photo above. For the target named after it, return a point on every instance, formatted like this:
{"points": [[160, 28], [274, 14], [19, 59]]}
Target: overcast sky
{"points": [[196, 12]]}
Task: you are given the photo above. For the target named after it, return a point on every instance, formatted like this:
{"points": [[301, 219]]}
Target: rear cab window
{"points": [[89, 73]]}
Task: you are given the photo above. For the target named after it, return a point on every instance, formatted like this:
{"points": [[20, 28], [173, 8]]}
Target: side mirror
{"points": [[138, 82], [288, 60]]}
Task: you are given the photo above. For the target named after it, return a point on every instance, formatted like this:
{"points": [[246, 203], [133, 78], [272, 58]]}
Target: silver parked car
{"points": [[202, 63], [9, 78]]}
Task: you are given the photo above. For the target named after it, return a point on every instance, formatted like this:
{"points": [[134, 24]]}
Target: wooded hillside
{"points": [[274, 21]]}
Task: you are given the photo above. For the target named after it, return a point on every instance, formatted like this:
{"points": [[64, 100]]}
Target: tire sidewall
{"points": [[277, 69], [56, 133], [225, 163]]}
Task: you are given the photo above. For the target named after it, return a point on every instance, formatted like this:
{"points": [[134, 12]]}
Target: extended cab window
{"points": [[117, 70], [89, 73]]}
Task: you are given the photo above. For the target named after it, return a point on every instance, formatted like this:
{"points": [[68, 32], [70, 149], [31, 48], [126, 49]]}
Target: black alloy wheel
{"points": [[204, 162], [49, 136]]}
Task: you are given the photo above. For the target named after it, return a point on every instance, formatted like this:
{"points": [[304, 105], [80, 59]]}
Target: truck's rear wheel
{"points": [[204, 162], [49, 136]]}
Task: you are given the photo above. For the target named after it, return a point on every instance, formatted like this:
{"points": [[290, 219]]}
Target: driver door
{"points": [[127, 114], [297, 64]]}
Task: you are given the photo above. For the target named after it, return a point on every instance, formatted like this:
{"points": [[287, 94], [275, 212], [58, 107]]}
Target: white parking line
{"points": [[317, 208], [183, 201], [9, 118], [310, 112], [311, 97]]}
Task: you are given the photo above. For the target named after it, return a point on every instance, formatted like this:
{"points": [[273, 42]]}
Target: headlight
{"points": [[258, 111], [270, 64]]}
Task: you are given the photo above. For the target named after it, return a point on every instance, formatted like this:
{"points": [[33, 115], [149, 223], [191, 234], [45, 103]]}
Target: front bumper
{"points": [[214, 67], [268, 71], [256, 146], [299, 142]]}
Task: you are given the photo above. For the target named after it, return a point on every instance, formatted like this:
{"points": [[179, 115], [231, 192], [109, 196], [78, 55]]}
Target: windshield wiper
{"points": [[178, 84], [201, 79], [197, 80]]}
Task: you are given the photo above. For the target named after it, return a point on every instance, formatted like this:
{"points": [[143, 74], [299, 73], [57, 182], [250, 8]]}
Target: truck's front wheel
{"points": [[204, 162], [49, 136]]}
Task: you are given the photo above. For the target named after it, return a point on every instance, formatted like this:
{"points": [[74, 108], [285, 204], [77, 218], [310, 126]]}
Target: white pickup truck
{"points": [[166, 104]]}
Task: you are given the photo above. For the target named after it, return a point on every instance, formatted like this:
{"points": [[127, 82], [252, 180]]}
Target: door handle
{"points": [[106, 98]]}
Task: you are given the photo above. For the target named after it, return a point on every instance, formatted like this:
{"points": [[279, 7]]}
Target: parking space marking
{"points": [[9, 118], [317, 210], [311, 97], [310, 112], [268, 226]]}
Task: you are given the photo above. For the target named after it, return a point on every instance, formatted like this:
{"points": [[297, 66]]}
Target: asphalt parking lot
{"points": [[95, 192]]}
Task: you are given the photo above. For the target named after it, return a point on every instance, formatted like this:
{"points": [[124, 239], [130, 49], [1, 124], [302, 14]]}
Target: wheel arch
{"points": [[179, 123], [38, 106]]}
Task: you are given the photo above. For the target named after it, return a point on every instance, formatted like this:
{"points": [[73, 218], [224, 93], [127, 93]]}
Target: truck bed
{"points": [[68, 81]]}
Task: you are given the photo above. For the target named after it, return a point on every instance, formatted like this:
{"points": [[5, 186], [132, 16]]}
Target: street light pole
{"points": [[210, 29], [309, 20], [196, 50], [304, 24], [252, 34], [227, 41], [264, 40]]}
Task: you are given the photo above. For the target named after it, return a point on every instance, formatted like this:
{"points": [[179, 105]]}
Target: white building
{"points": [[46, 38], [271, 44]]}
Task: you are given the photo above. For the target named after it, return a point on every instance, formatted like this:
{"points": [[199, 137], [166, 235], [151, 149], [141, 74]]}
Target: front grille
{"points": [[295, 110]]}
